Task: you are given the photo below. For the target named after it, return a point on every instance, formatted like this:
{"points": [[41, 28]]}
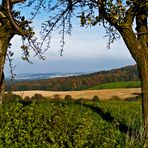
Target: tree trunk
{"points": [[143, 72], [2, 88], [5, 37], [137, 46], [3, 50]]}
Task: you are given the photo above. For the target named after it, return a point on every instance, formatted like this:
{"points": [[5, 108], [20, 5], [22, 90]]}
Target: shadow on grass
{"points": [[105, 115], [109, 118]]}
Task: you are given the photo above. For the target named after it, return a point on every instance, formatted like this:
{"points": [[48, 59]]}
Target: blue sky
{"points": [[85, 51]]}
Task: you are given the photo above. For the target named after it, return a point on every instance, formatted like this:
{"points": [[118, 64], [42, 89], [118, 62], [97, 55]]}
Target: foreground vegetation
{"points": [[67, 123]]}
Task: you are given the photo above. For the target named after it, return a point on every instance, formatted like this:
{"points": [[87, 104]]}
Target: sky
{"points": [[85, 51]]}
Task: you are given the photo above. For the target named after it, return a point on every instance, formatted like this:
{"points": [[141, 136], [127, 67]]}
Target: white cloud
{"points": [[87, 45]]}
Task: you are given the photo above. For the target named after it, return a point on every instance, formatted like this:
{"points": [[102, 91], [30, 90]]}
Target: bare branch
{"points": [[12, 21], [2, 15], [37, 9], [17, 1], [12, 68], [53, 25]]}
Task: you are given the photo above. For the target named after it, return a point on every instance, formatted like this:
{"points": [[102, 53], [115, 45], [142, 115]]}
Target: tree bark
{"points": [[3, 51], [2, 88], [143, 73], [5, 37], [138, 48], [142, 62], [9, 26]]}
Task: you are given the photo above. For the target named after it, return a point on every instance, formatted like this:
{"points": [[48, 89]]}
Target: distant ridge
{"points": [[41, 76], [84, 81]]}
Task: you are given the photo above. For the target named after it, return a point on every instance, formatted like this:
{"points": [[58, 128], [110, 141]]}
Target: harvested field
{"points": [[87, 94]]}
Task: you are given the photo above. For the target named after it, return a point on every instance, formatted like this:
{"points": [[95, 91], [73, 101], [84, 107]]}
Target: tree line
{"points": [[128, 73]]}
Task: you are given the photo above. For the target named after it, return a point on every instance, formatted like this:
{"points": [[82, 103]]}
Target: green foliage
{"points": [[49, 124], [128, 113], [113, 85], [70, 124]]}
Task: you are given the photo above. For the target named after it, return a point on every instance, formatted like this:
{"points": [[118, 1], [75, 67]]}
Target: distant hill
{"points": [[41, 76], [85, 81]]}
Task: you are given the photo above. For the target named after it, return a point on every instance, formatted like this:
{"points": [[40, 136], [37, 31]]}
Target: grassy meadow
{"points": [[55, 123], [114, 85]]}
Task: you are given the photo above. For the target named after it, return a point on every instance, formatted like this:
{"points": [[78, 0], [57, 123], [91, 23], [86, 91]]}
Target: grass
{"points": [[69, 123], [114, 85]]}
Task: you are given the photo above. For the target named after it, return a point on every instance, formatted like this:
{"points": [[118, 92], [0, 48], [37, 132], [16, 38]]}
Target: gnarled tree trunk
{"points": [[138, 47], [10, 24], [143, 72], [136, 41], [5, 37]]}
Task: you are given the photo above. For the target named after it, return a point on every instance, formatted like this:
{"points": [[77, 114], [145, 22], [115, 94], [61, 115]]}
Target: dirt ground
{"points": [[87, 94]]}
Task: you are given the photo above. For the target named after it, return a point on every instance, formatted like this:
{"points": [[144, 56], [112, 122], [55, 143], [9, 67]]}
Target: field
{"points": [[114, 85], [72, 119], [87, 94], [69, 123]]}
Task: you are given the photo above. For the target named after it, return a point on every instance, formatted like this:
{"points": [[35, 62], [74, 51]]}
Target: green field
{"points": [[69, 123], [113, 85]]}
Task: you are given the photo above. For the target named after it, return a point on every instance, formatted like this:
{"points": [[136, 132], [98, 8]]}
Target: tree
{"points": [[117, 16], [11, 24]]}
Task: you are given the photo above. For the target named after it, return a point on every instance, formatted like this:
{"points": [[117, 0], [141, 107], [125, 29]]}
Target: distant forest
{"points": [[128, 73]]}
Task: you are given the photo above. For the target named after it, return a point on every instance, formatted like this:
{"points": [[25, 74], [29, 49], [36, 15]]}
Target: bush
{"points": [[68, 98], [38, 97], [27, 98], [131, 99], [136, 98], [95, 98], [56, 97], [81, 100], [114, 98], [48, 124], [9, 97]]}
